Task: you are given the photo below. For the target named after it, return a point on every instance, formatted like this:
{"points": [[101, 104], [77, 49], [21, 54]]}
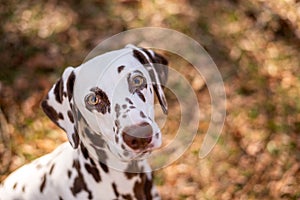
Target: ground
{"points": [[254, 43]]}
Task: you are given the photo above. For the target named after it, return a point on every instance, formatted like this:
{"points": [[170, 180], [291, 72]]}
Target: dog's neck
{"points": [[113, 163], [96, 149]]}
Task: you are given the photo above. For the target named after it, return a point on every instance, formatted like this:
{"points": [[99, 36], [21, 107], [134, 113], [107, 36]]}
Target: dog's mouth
{"points": [[135, 155], [141, 155]]}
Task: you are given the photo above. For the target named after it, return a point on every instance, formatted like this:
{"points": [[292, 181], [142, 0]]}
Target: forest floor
{"points": [[254, 43]]}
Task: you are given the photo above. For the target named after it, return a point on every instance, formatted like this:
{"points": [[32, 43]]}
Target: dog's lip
{"points": [[141, 154], [149, 148]]}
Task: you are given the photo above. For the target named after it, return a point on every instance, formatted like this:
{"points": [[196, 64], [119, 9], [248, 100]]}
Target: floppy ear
{"points": [[158, 71], [58, 105], [160, 65]]}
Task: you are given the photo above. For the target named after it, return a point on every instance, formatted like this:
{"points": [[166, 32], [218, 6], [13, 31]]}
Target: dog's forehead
{"points": [[106, 72], [105, 67]]}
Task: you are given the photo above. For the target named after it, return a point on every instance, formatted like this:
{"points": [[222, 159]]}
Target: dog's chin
{"points": [[129, 156]]}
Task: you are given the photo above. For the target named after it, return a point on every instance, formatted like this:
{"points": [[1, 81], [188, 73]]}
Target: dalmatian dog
{"points": [[106, 108]]}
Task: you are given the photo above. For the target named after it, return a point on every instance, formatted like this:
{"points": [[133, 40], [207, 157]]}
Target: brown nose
{"points": [[137, 136]]}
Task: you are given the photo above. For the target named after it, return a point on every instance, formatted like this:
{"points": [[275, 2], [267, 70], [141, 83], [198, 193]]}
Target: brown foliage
{"points": [[254, 43]]}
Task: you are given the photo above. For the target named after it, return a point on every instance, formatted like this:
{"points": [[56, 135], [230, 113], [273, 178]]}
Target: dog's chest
{"points": [[67, 174]]}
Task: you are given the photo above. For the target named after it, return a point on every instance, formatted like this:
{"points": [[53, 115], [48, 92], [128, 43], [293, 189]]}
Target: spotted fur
{"points": [[106, 133]]}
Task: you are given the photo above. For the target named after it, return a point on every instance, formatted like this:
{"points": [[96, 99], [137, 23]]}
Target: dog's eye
{"points": [[92, 99], [138, 80]]}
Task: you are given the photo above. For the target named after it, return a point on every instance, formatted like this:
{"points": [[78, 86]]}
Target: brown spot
{"points": [[60, 198], [15, 185], [131, 170], [93, 171], [84, 151], [142, 114], [44, 179], [51, 168], [160, 59], [92, 162], [75, 138], [142, 97], [128, 100], [117, 110], [70, 85], [117, 139], [50, 111], [127, 196], [23, 188], [114, 186], [156, 135], [120, 68], [117, 124], [58, 90], [79, 184], [124, 106], [60, 116], [70, 115], [157, 58], [104, 167], [142, 189], [140, 57], [148, 53], [125, 153], [130, 175], [69, 173], [148, 187]]}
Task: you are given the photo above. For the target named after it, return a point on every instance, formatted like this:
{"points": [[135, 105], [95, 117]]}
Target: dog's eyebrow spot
{"points": [[120, 68]]}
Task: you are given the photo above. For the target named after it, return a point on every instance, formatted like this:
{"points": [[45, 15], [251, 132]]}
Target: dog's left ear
{"points": [[157, 67], [160, 65], [58, 105]]}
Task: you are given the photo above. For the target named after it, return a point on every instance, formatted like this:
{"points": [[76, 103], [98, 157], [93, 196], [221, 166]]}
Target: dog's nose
{"points": [[138, 136]]}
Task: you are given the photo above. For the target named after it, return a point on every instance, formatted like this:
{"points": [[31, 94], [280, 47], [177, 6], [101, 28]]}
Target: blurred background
{"points": [[255, 44]]}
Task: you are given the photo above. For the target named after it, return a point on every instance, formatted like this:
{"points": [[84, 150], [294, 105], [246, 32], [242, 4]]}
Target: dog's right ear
{"points": [[58, 105]]}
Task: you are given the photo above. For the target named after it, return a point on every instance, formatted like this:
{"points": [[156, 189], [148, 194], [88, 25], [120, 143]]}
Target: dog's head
{"points": [[108, 102]]}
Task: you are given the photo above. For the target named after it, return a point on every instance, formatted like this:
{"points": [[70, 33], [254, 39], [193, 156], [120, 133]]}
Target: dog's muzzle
{"points": [[138, 137]]}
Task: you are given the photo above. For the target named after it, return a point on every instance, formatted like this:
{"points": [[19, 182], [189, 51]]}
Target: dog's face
{"points": [[113, 94]]}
